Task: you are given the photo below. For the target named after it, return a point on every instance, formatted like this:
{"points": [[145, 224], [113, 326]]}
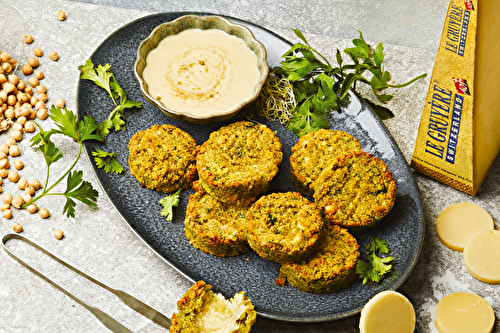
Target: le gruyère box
{"points": [[459, 133]]}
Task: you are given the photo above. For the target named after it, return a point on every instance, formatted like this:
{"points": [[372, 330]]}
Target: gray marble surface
{"points": [[99, 242]]}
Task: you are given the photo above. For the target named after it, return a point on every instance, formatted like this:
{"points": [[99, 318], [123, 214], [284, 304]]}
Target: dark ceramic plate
{"points": [[403, 228]]}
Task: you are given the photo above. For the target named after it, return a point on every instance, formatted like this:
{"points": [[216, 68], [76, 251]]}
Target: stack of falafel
{"points": [[230, 214]]}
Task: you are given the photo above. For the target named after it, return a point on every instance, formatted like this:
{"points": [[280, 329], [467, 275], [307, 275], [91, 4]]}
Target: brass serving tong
{"points": [[107, 320]]}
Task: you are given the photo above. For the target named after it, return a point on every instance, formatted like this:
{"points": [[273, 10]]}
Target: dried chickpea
{"points": [[33, 208], [33, 81], [11, 100], [27, 69], [4, 173], [22, 120], [33, 62], [13, 176], [9, 87], [9, 113], [53, 56], [6, 198], [3, 78], [44, 213], [39, 75], [4, 56], [42, 114], [4, 163], [7, 214], [17, 135], [14, 151], [3, 96], [10, 141], [60, 102], [17, 201], [4, 207], [6, 67], [58, 234], [35, 183], [27, 198], [4, 148], [28, 90], [41, 89], [18, 164], [28, 39], [21, 85], [38, 52], [61, 15], [40, 105], [29, 190], [2, 156], [17, 228], [29, 127], [42, 97], [13, 78], [22, 184]]}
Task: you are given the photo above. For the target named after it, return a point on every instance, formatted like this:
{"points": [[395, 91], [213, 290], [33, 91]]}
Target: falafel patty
{"points": [[238, 161], [313, 152], [215, 227], [200, 310], [330, 268], [283, 226], [163, 158], [356, 190]]}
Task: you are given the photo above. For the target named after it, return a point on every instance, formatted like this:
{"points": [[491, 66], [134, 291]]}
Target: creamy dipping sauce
{"points": [[200, 72]]}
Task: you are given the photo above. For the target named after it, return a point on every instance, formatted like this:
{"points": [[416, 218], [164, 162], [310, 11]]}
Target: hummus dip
{"points": [[199, 72]]}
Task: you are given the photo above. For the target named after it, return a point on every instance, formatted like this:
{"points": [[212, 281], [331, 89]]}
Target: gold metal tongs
{"points": [[107, 320]]}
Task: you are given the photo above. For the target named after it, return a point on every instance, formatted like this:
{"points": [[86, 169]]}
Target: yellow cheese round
{"points": [[458, 222], [482, 256], [464, 312], [387, 312]]}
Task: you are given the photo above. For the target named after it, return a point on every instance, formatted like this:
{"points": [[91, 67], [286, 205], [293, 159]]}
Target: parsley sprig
{"points": [[168, 203], [104, 78], [321, 87], [375, 268], [80, 131]]}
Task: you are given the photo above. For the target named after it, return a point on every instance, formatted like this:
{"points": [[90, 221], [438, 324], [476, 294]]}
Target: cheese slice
{"points": [[464, 312], [459, 221], [387, 312], [459, 133], [482, 256]]}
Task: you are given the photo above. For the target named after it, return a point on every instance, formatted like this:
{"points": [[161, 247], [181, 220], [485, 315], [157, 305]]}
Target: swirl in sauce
{"points": [[200, 72]]}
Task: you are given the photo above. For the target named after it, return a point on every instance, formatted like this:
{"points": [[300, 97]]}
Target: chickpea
{"points": [[29, 127], [13, 78], [9, 87], [44, 213], [29, 190], [33, 208], [4, 148], [3, 96], [27, 69], [21, 85], [33, 81], [14, 151], [4, 207], [22, 184], [40, 105], [17, 228], [35, 183], [27, 198], [33, 62], [58, 234], [9, 113], [4, 164], [4, 57], [38, 52], [42, 97], [22, 120], [6, 67], [2, 156], [41, 89], [53, 56], [4, 173], [60, 103], [3, 78], [18, 164], [7, 214], [42, 114], [13, 176], [28, 90], [17, 201], [61, 15], [39, 75], [10, 141], [6, 198], [17, 135], [28, 39]]}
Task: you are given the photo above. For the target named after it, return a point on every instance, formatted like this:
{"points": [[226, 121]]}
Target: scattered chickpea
{"points": [[13, 176], [53, 56], [4, 163], [28, 39], [9, 113], [17, 201], [42, 114], [41, 89], [39, 75], [11, 100], [60, 102], [22, 184], [35, 183], [6, 67], [6, 198], [13, 78], [29, 190], [10, 141], [21, 85], [14, 151], [22, 120], [4, 207], [7, 214], [58, 234], [33, 208], [42, 97], [4, 57], [27, 69], [9, 87], [33, 62], [4, 173], [4, 148], [61, 15], [38, 52], [17, 135], [29, 127], [33, 81], [17, 227], [44, 213], [18, 164]]}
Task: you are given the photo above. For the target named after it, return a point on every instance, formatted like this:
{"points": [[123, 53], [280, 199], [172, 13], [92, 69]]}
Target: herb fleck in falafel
{"points": [[356, 191], [283, 226], [163, 158], [238, 161]]}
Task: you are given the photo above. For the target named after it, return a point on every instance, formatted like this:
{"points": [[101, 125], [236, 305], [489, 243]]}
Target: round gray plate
{"points": [[403, 228]]}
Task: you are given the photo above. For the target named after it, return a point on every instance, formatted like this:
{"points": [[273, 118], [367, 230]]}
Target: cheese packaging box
{"points": [[459, 133]]}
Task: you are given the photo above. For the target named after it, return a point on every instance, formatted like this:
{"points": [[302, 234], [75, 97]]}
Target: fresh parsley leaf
{"points": [[107, 161], [168, 203], [101, 75], [77, 188], [375, 267]]}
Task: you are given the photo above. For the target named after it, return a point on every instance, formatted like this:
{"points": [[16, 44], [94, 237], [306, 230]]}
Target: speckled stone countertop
{"points": [[100, 243]]}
